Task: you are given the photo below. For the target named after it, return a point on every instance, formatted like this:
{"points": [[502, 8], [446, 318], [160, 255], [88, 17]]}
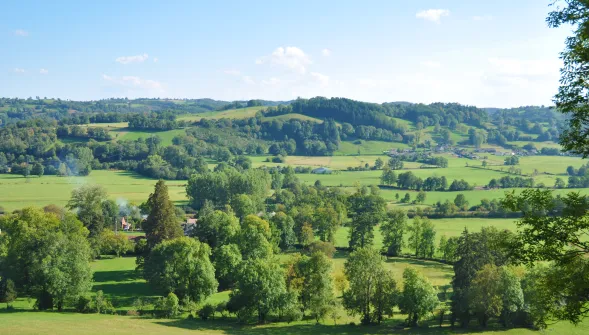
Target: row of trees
{"points": [[409, 181]]}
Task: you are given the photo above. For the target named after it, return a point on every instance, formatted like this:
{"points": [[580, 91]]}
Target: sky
{"points": [[485, 53]]}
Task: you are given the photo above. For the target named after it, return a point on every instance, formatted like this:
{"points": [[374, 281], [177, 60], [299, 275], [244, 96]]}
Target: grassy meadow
{"points": [[18, 192], [117, 279]]}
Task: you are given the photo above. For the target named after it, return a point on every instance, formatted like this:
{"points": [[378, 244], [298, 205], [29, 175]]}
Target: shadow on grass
{"points": [[117, 276], [232, 327]]}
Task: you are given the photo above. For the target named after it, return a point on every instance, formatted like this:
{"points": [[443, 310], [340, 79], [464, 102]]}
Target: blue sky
{"points": [[484, 53]]}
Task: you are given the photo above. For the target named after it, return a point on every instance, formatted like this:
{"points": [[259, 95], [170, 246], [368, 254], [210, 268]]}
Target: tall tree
{"points": [[571, 98], [47, 257], [161, 224], [418, 298], [311, 278], [216, 228], [283, 225], [393, 228], [369, 284], [181, 266], [259, 287], [326, 222], [88, 201], [554, 230], [366, 211]]}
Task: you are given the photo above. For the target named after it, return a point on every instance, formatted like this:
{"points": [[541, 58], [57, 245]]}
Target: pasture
{"points": [[240, 113], [116, 277], [18, 192], [166, 136], [451, 227]]}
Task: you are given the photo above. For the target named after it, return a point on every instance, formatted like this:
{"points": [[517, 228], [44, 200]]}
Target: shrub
{"points": [[189, 306], [83, 304], [171, 306], [207, 311], [102, 304], [7, 291]]}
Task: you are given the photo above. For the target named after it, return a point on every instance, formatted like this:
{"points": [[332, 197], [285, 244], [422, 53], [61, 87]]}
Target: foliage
{"points": [[161, 224], [371, 290], [571, 98], [220, 187], [259, 287], [555, 231], [47, 257], [418, 298], [88, 202], [393, 228], [181, 266], [365, 211]]}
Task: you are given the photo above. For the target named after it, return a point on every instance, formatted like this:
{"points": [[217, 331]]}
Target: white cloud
{"points": [[290, 57], [248, 80], [326, 52], [155, 59], [321, 78], [21, 33], [44, 71], [433, 15], [431, 64], [482, 17], [132, 59], [133, 82], [19, 70], [232, 72]]}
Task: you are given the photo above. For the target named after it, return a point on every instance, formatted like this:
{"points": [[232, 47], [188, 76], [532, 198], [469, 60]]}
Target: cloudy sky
{"points": [[485, 53]]}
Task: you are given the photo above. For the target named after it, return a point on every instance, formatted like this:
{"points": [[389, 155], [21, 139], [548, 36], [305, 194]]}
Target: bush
{"points": [[325, 247], [171, 307], [102, 304], [189, 306], [83, 304], [7, 291], [207, 311]]}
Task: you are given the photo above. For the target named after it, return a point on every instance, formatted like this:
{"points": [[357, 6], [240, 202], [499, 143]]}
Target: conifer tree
{"points": [[161, 223]]}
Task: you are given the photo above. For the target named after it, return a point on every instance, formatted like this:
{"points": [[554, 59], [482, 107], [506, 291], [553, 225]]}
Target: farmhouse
{"points": [[321, 170], [189, 226]]}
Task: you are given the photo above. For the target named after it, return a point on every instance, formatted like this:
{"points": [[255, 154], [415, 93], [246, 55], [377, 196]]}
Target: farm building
{"points": [[321, 170]]}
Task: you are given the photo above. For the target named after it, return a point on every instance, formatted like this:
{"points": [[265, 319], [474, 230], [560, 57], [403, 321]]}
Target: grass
{"points": [[240, 113], [477, 177], [116, 278], [449, 227], [89, 324], [293, 116], [119, 281], [17, 192], [367, 147], [474, 197], [166, 136]]}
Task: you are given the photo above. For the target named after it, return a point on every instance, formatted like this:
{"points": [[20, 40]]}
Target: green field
{"points": [[240, 113], [116, 277], [450, 227], [32, 323], [293, 116], [18, 192], [166, 135], [367, 147]]}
